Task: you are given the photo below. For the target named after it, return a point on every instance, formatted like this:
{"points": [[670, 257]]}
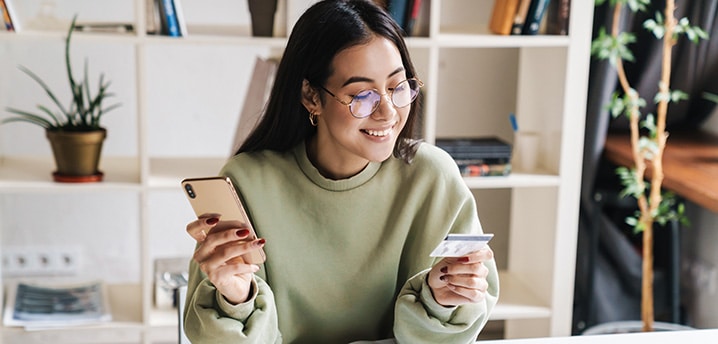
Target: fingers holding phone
{"points": [[214, 199], [221, 257], [228, 248]]}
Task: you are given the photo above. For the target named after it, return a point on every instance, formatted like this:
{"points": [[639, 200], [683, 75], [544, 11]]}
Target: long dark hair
{"points": [[324, 30]]}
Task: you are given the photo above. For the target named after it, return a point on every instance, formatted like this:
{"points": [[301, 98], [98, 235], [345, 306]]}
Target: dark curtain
{"points": [[608, 266]]}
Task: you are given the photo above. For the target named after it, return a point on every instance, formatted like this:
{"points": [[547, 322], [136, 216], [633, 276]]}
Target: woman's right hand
{"points": [[220, 245]]}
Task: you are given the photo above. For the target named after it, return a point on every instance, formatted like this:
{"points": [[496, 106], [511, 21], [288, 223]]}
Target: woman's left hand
{"points": [[456, 281]]}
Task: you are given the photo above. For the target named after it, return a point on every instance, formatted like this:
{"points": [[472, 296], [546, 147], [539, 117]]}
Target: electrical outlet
{"points": [[41, 261]]}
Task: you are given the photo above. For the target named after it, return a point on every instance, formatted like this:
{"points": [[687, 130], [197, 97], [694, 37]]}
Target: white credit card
{"points": [[459, 245]]}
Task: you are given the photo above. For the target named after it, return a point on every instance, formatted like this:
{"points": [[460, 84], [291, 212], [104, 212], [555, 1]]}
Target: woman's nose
{"points": [[386, 109]]}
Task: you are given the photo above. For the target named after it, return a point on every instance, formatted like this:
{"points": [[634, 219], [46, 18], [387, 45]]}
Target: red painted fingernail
{"points": [[445, 269], [242, 233], [260, 242], [212, 221], [463, 260]]}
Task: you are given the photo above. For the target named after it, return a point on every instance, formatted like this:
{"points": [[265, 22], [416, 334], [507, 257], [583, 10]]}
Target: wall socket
{"points": [[20, 261]]}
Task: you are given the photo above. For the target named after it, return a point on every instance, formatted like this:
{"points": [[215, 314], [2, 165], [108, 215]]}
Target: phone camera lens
{"points": [[190, 191]]}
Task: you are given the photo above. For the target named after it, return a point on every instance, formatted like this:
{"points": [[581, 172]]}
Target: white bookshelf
{"points": [[181, 99]]}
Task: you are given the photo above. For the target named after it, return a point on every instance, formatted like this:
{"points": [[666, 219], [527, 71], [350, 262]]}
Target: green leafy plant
{"points": [[85, 110], [648, 132]]}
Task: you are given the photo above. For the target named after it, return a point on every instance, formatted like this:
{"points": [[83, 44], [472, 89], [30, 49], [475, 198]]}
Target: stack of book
{"points": [[47, 305], [481, 156], [530, 17]]}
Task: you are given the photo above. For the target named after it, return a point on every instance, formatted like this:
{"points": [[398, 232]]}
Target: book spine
{"points": [[412, 13], [12, 17], [534, 17], [397, 10], [179, 14], [520, 17], [152, 16], [5, 16], [170, 18], [557, 16], [502, 16]]}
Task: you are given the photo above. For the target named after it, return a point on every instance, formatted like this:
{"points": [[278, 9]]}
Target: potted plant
{"points": [[647, 132], [74, 132]]}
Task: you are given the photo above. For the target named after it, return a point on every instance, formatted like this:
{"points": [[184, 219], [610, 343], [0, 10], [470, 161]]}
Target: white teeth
{"points": [[378, 133]]}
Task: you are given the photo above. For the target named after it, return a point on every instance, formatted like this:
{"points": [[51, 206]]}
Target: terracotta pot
{"points": [[77, 154]]}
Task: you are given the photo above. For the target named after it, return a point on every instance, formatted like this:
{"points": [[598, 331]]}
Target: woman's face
{"points": [[346, 144]]}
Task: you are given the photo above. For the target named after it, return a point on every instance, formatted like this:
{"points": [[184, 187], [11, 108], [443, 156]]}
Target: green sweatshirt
{"points": [[346, 259]]}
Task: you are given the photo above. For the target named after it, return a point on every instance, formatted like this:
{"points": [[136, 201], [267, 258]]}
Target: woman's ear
{"points": [[310, 98]]}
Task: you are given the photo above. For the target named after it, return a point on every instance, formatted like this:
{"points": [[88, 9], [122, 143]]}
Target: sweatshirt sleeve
{"points": [[448, 206], [418, 318], [209, 318]]}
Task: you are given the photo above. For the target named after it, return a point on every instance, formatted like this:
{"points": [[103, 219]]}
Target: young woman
{"points": [[347, 206]]}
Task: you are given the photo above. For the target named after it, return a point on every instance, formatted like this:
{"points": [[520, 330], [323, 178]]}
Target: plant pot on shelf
{"points": [[77, 155], [262, 16]]}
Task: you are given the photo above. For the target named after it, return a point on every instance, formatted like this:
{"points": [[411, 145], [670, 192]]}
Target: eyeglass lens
{"points": [[367, 101]]}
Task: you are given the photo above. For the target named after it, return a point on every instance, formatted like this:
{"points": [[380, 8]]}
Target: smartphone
{"points": [[216, 195]]}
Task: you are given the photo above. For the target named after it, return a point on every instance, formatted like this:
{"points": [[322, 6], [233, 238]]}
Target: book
{"points": [[488, 149], [104, 27], [557, 16], [179, 15], [10, 16], [413, 8], [170, 27], [35, 305], [260, 86], [152, 16], [520, 17], [534, 17], [479, 168], [7, 23], [502, 16], [397, 10]]}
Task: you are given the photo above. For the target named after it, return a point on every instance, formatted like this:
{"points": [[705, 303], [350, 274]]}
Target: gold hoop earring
{"points": [[313, 119]]}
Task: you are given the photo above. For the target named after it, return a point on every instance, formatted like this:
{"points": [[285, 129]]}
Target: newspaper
{"points": [[36, 306]]}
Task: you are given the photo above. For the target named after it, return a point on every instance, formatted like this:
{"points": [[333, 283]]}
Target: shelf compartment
{"points": [[516, 301], [126, 326]]}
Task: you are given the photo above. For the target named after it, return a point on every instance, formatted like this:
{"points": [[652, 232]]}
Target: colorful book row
{"points": [[530, 17]]}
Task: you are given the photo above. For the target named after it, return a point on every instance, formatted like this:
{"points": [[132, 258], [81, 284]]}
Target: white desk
{"points": [[664, 337]]}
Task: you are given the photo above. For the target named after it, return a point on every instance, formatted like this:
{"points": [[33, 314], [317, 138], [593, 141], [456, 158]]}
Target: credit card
{"points": [[459, 245]]}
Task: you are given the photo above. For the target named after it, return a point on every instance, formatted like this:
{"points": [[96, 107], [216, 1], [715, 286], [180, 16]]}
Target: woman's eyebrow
{"points": [[365, 79]]}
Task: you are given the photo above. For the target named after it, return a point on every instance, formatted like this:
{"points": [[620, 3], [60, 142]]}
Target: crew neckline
{"points": [[300, 153]]}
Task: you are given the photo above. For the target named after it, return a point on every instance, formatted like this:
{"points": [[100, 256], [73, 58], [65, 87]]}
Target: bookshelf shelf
{"points": [[180, 103], [514, 180]]}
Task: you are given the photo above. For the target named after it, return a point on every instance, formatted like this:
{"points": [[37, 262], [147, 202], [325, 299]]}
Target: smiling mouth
{"points": [[378, 133]]}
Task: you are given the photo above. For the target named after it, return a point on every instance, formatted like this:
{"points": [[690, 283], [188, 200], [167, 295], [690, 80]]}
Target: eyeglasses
{"points": [[364, 103]]}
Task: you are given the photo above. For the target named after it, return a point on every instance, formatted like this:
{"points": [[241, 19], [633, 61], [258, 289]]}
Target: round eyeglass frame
{"points": [[381, 95]]}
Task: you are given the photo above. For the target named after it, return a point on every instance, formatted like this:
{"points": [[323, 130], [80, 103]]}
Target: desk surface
{"points": [[690, 164], [662, 337]]}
